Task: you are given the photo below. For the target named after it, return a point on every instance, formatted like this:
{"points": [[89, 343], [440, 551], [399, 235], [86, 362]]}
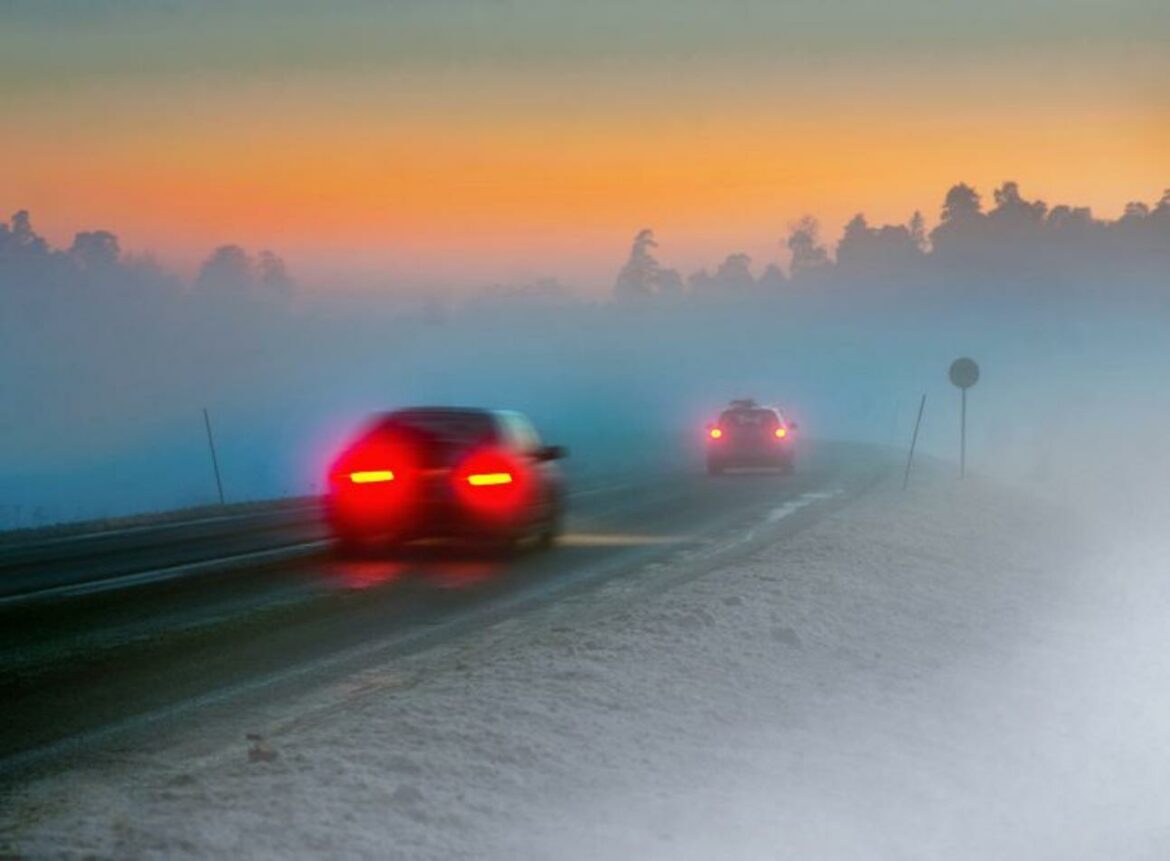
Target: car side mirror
{"points": [[552, 452], [793, 426]]}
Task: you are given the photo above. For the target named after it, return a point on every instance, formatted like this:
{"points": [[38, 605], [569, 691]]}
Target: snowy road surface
{"points": [[88, 667], [958, 672]]}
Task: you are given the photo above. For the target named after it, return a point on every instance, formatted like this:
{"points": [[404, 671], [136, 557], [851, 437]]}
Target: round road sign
{"points": [[964, 373]]}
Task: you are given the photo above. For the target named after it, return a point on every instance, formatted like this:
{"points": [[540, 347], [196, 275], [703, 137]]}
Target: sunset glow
{"points": [[513, 159]]}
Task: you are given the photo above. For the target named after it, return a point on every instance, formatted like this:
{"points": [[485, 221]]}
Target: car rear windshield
{"points": [[749, 419], [440, 437]]}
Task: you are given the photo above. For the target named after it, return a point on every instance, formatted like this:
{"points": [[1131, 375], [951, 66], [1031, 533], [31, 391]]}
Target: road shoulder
{"points": [[828, 691]]}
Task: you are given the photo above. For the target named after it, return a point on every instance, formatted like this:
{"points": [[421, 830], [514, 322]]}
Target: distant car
{"points": [[750, 435], [445, 472]]}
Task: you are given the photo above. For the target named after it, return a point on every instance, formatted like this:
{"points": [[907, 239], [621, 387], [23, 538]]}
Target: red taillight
{"points": [[489, 479], [374, 480], [492, 482], [715, 433], [372, 476], [781, 432], [374, 461]]}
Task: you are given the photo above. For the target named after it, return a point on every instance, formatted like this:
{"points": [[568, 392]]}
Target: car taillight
{"points": [[492, 482], [715, 433], [489, 479], [375, 465], [372, 476], [781, 432]]}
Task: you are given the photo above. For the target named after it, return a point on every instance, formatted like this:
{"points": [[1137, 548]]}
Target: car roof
{"points": [[495, 415], [741, 407], [439, 411]]}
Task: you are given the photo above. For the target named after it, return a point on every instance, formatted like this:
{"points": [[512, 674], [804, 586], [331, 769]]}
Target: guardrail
{"points": [[39, 563]]}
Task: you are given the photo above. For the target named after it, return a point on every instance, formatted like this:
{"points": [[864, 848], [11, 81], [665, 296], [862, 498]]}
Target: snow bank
{"points": [[956, 672]]}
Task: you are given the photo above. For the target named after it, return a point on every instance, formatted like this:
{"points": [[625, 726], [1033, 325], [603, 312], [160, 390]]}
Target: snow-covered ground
{"points": [[958, 672]]}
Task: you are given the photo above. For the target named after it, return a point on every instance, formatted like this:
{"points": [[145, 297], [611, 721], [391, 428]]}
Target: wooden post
{"points": [[214, 459], [913, 441]]}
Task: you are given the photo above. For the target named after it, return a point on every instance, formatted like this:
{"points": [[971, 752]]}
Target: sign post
{"points": [[964, 374], [913, 442], [214, 459]]}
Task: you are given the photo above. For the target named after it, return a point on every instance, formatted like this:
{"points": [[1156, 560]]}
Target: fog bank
{"points": [[108, 360]]}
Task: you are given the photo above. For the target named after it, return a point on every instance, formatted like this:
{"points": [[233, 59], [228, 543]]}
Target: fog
{"points": [[958, 671], [108, 359]]}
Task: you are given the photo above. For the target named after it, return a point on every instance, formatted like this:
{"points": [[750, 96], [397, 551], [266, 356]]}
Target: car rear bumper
{"points": [[443, 518], [750, 457], [429, 521]]}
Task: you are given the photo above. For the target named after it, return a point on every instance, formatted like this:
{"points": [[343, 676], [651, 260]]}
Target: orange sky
{"points": [[493, 173]]}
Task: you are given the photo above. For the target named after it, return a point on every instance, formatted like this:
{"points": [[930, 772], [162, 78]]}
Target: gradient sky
{"points": [[482, 140]]}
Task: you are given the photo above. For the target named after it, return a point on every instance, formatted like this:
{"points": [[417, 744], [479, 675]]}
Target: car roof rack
{"points": [[743, 404]]}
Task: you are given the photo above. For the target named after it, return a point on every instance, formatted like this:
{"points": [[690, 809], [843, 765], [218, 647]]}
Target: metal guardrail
{"points": [[33, 566]]}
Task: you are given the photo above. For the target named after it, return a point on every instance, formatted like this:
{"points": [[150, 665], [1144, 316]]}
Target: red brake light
{"points": [[781, 432], [489, 479], [373, 482], [493, 483], [372, 476], [715, 433]]}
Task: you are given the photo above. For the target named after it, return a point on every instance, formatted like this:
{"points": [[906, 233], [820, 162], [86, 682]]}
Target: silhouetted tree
{"points": [[18, 240], [637, 277], [229, 270], [1163, 207], [877, 252], [962, 203], [273, 274], [1142, 233], [809, 257], [1013, 217], [1135, 210], [773, 280], [918, 232], [96, 251], [735, 274], [642, 277], [960, 232], [1062, 218]]}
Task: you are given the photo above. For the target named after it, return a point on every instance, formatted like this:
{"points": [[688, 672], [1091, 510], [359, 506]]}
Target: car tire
{"points": [[714, 468]]}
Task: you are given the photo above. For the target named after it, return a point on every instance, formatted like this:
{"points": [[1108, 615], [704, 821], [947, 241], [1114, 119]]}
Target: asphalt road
{"points": [[85, 670]]}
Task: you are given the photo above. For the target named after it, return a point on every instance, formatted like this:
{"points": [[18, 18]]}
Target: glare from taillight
{"points": [[373, 482], [715, 433], [493, 482], [781, 432], [372, 476], [489, 479]]}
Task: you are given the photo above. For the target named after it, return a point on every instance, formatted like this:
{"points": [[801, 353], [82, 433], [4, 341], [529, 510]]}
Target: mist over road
{"points": [[109, 664], [958, 671]]}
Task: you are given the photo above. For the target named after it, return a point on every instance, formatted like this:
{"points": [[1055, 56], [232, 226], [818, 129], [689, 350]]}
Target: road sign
{"points": [[964, 373]]}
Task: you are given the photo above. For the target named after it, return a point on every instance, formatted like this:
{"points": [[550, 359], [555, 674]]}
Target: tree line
{"points": [[1014, 242]]}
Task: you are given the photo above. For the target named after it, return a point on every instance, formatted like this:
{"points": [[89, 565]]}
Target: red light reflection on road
{"points": [[367, 573], [462, 574], [432, 566]]}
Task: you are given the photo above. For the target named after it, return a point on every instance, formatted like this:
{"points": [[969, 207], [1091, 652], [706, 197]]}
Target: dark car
{"points": [[750, 435], [445, 472]]}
